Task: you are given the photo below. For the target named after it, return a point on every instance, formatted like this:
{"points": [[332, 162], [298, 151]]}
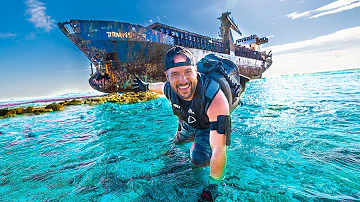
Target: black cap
{"points": [[169, 57]]}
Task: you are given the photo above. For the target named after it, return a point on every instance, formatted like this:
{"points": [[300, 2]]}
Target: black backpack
{"points": [[227, 75]]}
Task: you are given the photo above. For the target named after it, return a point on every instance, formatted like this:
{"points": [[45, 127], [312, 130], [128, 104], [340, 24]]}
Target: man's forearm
{"points": [[157, 87], [218, 162]]}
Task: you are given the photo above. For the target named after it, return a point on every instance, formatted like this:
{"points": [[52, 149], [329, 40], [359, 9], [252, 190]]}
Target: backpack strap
{"points": [[212, 89], [167, 90]]}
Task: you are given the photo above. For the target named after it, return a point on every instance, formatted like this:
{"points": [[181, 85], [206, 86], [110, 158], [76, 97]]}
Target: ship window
{"points": [[69, 28]]}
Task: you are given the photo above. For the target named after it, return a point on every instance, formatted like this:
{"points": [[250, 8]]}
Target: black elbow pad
{"points": [[223, 126]]}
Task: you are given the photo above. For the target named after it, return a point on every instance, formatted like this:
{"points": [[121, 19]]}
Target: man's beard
{"points": [[189, 94]]}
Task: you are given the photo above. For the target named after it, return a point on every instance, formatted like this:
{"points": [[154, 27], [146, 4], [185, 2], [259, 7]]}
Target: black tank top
{"points": [[194, 112]]}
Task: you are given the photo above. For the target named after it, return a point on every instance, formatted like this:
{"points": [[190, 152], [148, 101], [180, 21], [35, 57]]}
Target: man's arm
{"points": [[219, 106], [141, 86], [157, 87]]}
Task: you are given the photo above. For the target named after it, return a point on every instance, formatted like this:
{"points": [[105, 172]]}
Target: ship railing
{"points": [[198, 43], [190, 40], [249, 53]]}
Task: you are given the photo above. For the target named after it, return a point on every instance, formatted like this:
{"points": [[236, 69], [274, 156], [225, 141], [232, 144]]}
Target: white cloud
{"points": [[310, 63], [150, 21], [30, 36], [8, 35], [300, 2], [296, 15], [36, 11], [336, 4], [271, 36], [338, 10], [342, 37], [331, 8], [336, 51], [158, 18]]}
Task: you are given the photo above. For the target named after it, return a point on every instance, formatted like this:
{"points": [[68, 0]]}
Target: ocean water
{"points": [[295, 139]]}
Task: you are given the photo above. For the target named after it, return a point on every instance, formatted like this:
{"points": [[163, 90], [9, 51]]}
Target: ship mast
{"points": [[225, 32]]}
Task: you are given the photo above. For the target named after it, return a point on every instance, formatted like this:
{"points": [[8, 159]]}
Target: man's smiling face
{"points": [[182, 79]]}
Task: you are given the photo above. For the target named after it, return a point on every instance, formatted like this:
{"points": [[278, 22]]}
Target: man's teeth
{"points": [[183, 87]]}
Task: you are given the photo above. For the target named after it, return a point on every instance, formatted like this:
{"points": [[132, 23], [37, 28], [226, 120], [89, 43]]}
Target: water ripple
{"points": [[295, 139]]}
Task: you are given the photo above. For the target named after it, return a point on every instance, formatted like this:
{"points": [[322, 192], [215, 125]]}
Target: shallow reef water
{"points": [[296, 138]]}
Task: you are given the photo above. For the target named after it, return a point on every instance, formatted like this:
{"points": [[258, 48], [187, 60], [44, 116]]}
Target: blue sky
{"points": [[305, 36]]}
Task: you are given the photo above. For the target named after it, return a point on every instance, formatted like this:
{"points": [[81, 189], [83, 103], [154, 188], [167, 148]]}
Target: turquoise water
{"points": [[295, 139]]}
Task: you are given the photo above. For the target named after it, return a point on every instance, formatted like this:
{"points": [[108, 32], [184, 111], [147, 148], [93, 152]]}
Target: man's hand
{"points": [[209, 193], [139, 85]]}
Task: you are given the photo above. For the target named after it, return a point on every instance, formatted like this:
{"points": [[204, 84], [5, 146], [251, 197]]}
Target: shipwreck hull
{"points": [[119, 51]]}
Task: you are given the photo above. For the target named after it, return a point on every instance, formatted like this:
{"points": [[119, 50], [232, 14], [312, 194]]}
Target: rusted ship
{"points": [[118, 51]]}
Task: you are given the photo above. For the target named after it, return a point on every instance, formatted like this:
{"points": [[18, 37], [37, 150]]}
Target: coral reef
{"points": [[124, 98]]}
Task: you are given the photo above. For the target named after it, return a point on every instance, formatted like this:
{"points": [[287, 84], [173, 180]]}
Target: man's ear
{"points": [[167, 77]]}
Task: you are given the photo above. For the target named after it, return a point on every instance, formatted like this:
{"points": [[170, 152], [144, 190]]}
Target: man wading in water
{"points": [[204, 120]]}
